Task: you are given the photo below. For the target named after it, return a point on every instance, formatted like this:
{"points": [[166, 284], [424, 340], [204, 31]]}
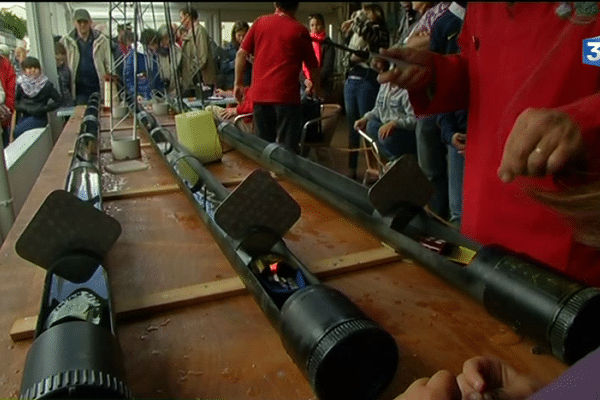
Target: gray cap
{"points": [[81, 15], [4, 50]]}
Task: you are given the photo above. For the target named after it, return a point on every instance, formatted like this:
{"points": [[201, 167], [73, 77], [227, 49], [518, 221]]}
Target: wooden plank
{"points": [[215, 290], [354, 262], [23, 328], [121, 194]]}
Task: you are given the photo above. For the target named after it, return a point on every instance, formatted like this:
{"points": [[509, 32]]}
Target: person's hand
{"points": [[386, 130], [492, 378], [441, 386], [238, 93], [360, 124], [346, 26], [419, 75], [230, 113], [309, 86], [459, 141], [542, 142], [223, 93]]}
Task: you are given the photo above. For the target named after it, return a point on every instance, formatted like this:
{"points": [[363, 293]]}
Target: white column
{"points": [[7, 215]]}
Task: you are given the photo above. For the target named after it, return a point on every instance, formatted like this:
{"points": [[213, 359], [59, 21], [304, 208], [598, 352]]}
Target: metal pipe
{"points": [[342, 352], [180, 105], [560, 314], [76, 353]]}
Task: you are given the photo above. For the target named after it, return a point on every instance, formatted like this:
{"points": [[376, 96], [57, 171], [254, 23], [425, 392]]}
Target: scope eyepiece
{"points": [[344, 353]]}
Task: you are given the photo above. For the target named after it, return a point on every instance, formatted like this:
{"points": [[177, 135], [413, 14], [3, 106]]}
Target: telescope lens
{"points": [[358, 361], [343, 353]]}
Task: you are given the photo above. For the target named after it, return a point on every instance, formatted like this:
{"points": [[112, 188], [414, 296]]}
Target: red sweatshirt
{"points": [[515, 57]]}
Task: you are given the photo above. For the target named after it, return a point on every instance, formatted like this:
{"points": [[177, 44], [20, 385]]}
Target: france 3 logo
{"points": [[591, 51]]}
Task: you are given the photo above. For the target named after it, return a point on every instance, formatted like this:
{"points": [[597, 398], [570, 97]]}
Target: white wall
{"points": [[25, 158]]}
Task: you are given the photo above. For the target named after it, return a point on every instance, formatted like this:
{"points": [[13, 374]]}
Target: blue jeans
{"points": [[28, 123], [456, 164], [279, 122], [359, 98], [399, 142], [431, 153]]}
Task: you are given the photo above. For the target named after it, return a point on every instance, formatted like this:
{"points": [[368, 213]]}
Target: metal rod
{"points": [[173, 59], [317, 325]]}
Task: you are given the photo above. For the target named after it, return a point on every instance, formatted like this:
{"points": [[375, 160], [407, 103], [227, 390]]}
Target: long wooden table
{"points": [[224, 347]]}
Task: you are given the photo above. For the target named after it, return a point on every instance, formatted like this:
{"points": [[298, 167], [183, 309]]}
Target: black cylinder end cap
{"points": [[357, 359]]}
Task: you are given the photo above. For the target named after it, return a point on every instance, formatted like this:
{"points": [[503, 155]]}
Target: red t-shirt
{"points": [[514, 57], [279, 44]]}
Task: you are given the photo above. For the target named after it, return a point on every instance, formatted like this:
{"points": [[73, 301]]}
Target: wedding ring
{"points": [[538, 150]]}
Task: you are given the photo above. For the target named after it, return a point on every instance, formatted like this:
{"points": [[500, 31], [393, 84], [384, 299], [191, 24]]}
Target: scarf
{"points": [[32, 86], [317, 40]]}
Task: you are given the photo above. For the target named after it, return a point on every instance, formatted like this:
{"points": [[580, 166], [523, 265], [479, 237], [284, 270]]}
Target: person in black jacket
{"points": [[34, 91], [325, 55]]}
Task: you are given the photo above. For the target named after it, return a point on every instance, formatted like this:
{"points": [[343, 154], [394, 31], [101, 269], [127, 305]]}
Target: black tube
{"points": [[76, 353], [547, 307], [342, 352]]}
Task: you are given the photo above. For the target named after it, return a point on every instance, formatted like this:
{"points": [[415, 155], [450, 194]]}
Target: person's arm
{"points": [[19, 104], [240, 66], [446, 122], [55, 97], [315, 78], [435, 83], [405, 118]]}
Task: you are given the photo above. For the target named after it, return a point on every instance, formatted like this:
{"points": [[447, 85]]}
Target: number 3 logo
{"points": [[591, 51], [595, 49]]}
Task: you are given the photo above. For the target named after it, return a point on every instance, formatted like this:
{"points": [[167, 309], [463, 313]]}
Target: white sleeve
{"points": [[2, 94]]}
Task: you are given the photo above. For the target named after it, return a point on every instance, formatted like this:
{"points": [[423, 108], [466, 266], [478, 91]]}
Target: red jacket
{"points": [[8, 79], [514, 57]]}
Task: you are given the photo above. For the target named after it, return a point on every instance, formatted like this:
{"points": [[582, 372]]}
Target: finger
{"points": [[468, 392], [477, 372], [416, 79], [409, 55], [563, 153], [521, 141], [443, 386], [559, 158], [536, 162], [389, 76]]}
